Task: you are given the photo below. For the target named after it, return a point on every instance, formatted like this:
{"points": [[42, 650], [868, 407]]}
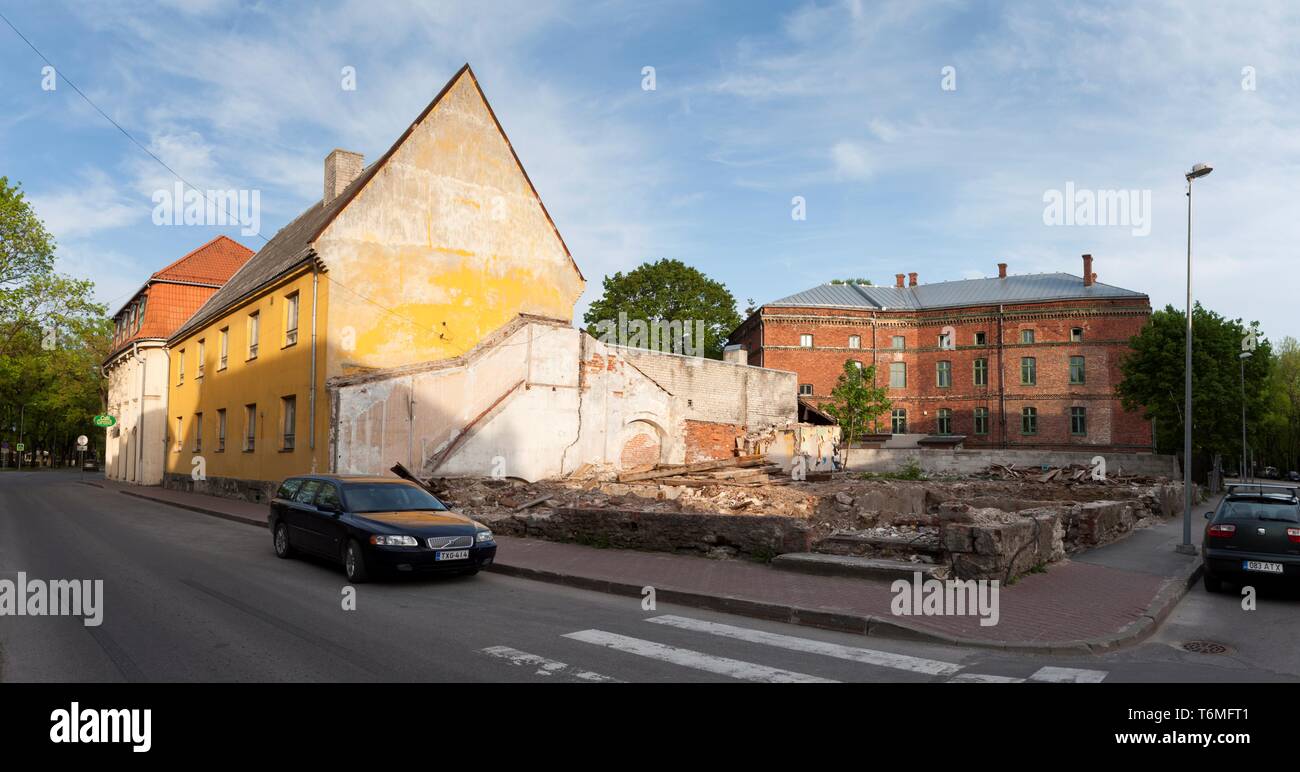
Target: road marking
{"points": [[545, 667], [1069, 675], [810, 646], [978, 678], [734, 668]]}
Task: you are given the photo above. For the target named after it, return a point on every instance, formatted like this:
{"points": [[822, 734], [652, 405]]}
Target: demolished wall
{"points": [[941, 462], [539, 399]]}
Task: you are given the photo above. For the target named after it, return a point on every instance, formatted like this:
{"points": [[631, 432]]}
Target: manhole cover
{"points": [[1205, 647]]}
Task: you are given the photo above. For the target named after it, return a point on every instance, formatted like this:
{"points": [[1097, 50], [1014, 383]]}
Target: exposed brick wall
{"points": [[706, 440], [1107, 326], [721, 392], [640, 449]]}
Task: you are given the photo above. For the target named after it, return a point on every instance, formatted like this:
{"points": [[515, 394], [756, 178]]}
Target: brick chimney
{"points": [[1089, 278], [911, 280], [1002, 270], [341, 168], [898, 280]]}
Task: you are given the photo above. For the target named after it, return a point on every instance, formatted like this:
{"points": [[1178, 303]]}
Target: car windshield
{"points": [[389, 497], [1261, 509]]}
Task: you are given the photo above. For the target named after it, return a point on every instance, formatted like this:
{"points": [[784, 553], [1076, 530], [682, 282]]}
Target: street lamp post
{"points": [[1243, 356], [1199, 170]]}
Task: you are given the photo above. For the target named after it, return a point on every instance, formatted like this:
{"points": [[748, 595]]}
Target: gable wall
{"points": [[444, 245]]}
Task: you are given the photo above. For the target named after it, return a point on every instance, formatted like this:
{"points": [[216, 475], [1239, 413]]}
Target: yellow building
{"points": [[413, 259]]}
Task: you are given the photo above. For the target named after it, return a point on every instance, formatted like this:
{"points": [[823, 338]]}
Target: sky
{"points": [[927, 137]]}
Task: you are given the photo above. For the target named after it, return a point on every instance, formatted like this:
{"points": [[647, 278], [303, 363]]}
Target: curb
{"points": [[200, 510], [1161, 606], [873, 626]]}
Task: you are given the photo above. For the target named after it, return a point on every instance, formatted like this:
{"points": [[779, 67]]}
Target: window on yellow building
{"points": [[198, 432], [291, 319], [288, 421], [225, 348], [221, 430], [202, 347], [250, 427], [253, 331], [180, 367]]}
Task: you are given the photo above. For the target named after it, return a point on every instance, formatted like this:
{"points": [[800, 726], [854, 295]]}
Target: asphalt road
{"points": [[188, 597]]}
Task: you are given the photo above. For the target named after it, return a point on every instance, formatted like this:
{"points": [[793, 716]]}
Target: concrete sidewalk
{"points": [[1105, 598]]}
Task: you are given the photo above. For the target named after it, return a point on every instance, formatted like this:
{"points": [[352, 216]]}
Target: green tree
{"points": [[53, 337], [864, 282], [664, 297], [857, 402], [1152, 380]]}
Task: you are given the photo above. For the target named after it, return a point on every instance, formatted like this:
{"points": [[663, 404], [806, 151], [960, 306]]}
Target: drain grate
{"points": [[1206, 647]]}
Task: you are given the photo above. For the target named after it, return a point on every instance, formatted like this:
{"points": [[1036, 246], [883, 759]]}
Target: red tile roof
{"points": [[213, 263], [172, 295]]}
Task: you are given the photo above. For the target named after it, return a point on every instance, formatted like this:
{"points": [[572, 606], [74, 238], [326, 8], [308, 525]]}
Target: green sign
{"points": [[105, 421], [21, 447]]}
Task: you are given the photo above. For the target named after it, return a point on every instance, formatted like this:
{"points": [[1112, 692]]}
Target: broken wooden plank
{"points": [[701, 466], [534, 502]]}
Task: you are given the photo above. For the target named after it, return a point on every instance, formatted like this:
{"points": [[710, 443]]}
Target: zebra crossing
{"points": [[695, 658]]}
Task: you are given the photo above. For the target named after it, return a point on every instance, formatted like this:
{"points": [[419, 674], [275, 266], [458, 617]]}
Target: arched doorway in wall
{"points": [[642, 444]]}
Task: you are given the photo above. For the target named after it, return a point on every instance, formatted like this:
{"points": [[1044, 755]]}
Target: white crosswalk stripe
{"points": [[811, 646], [734, 668], [1069, 675], [545, 667], [949, 672], [977, 678]]}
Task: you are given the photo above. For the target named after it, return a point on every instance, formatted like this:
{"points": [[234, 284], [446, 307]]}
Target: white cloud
{"points": [[94, 204], [852, 160]]}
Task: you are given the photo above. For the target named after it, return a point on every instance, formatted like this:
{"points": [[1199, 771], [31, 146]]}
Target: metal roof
{"points": [[951, 294]]}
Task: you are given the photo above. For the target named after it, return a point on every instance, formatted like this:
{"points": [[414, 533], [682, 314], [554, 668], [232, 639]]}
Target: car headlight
{"points": [[394, 541], [483, 536]]}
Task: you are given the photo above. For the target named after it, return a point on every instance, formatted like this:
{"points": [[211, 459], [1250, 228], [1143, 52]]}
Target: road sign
{"points": [[82, 442], [105, 421], [20, 447]]}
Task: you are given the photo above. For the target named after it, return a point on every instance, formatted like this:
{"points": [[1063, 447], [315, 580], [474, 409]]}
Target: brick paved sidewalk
{"points": [[1105, 598]]}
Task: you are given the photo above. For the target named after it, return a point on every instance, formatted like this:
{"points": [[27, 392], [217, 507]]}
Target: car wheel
{"points": [[1212, 583], [354, 563], [280, 540]]}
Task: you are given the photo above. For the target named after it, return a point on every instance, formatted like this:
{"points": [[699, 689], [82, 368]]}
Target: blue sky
{"points": [[840, 103]]}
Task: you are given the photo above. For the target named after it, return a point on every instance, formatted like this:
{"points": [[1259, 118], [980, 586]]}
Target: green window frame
{"points": [[1078, 373], [1028, 371], [1029, 420], [1079, 421]]}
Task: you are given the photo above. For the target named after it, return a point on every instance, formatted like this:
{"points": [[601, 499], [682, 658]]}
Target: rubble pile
{"points": [[1069, 474]]}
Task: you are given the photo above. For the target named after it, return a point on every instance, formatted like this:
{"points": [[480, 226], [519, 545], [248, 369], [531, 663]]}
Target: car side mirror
{"points": [[333, 509], [1209, 515]]}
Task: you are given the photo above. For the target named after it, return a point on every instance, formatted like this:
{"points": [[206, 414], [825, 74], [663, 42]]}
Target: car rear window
{"points": [[389, 497], [1260, 509], [288, 488], [307, 492]]}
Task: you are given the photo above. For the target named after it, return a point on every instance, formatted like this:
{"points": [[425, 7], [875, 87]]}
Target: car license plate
{"points": [[1258, 565], [464, 555]]}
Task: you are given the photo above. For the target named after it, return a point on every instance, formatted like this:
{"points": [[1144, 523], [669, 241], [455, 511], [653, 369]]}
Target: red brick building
{"points": [[1026, 361]]}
